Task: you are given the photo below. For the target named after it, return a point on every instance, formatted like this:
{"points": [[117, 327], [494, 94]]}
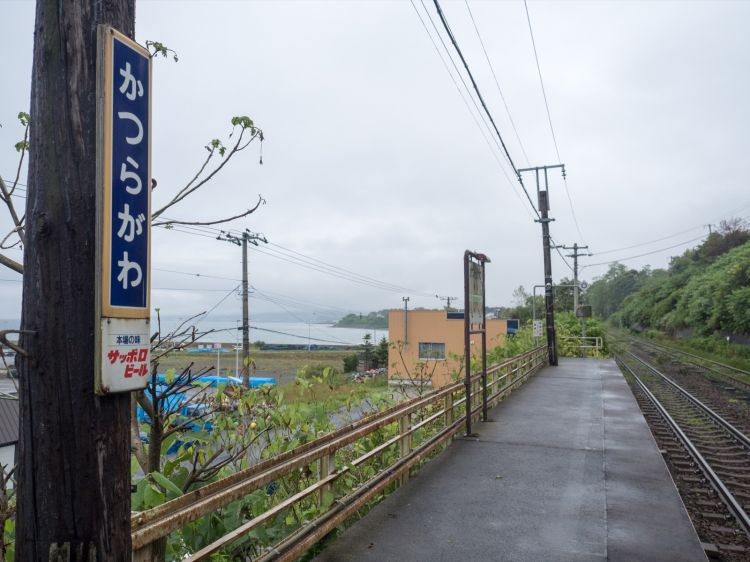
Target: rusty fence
{"points": [[410, 432]]}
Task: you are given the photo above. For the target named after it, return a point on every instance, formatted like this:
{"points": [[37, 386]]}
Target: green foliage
{"points": [[692, 295], [216, 144], [380, 354], [373, 321], [157, 48], [706, 290], [568, 330], [265, 419], [607, 294], [351, 362]]}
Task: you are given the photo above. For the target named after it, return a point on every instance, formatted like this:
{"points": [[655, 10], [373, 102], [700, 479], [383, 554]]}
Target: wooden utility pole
{"points": [[74, 453], [243, 240]]}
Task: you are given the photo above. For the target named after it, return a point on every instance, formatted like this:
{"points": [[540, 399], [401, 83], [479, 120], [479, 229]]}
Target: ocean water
{"points": [[225, 331], [284, 333]]}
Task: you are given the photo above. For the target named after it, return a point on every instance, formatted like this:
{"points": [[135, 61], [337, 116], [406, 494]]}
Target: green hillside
{"points": [[705, 290]]}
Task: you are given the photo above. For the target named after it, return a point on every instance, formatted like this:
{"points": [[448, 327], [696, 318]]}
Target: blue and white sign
{"points": [[127, 181], [124, 200]]}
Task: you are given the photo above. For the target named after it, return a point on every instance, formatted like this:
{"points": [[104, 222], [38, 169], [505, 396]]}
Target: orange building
{"points": [[428, 345]]}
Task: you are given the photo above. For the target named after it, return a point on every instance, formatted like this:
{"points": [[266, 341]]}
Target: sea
{"points": [[227, 332]]}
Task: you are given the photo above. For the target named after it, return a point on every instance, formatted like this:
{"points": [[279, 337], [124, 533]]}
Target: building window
{"points": [[431, 350]]}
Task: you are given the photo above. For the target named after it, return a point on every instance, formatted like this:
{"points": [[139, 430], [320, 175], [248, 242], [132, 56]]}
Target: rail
{"points": [[418, 426], [731, 429], [718, 484]]}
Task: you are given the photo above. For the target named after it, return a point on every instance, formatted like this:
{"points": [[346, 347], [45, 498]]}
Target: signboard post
{"points": [[123, 213], [474, 315]]}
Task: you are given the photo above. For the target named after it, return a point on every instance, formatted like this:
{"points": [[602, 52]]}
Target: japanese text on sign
{"points": [[127, 187]]}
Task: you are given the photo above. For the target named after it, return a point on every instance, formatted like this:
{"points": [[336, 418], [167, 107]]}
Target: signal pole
{"points": [[252, 238], [575, 247], [543, 198]]}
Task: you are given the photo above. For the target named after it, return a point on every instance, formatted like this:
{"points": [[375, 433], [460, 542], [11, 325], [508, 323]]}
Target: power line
{"points": [[189, 289], [271, 300], [193, 274], [291, 300], [466, 103], [497, 82], [314, 264], [214, 307], [460, 76], [333, 273], [645, 254], [660, 239], [348, 271], [484, 105], [549, 119]]}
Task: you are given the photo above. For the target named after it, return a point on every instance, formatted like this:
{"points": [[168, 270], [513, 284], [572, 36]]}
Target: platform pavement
{"points": [[566, 471]]}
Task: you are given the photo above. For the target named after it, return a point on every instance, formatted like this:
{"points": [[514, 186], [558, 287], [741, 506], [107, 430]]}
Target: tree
{"points": [[367, 350], [564, 295], [380, 354]]}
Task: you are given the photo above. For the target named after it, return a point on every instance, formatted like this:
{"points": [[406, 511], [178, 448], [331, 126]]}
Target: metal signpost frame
{"points": [[474, 315], [123, 233]]}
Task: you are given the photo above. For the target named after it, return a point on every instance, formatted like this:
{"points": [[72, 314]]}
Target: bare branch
{"points": [[22, 147], [187, 190], [12, 264], [5, 193], [170, 222]]}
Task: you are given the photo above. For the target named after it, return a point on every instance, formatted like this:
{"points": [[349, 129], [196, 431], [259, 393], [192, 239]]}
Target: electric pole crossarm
{"points": [[243, 240]]}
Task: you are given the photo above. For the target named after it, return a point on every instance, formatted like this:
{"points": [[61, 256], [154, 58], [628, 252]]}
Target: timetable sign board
{"points": [[537, 328], [476, 293], [124, 205]]}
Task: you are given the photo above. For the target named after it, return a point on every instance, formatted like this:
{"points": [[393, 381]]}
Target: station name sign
{"points": [[124, 212]]}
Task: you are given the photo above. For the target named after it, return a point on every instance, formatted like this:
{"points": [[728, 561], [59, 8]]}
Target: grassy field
{"points": [[283, 365]]}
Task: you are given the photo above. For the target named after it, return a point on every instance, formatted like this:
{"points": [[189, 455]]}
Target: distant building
{"points": [[428, 345], [8, 432]]}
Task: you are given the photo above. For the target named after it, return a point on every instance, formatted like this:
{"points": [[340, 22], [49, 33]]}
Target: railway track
{"points": [[729, 373], [708, 456]]}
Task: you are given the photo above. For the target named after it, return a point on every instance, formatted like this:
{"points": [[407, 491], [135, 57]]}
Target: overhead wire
{"points": [[293, 315], [463, 97], [646, 253], [308, 262], [497, 83], [549, 120], [483, 103], [234, 329]]}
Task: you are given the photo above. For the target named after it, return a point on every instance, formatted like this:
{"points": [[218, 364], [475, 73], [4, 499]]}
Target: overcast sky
{"points": [[373, 163]]}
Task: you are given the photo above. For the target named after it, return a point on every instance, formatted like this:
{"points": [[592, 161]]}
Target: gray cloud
{"points": [[373, 163]]}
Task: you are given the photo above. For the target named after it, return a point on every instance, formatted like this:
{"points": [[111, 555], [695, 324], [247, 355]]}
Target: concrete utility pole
{"points": [[575, 247], [406, 319], [543, 197], [243, 240], [447, 300], [74, 446]]}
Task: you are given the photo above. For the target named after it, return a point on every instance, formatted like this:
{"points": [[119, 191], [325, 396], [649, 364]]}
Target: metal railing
{"points": [[421, 425]]}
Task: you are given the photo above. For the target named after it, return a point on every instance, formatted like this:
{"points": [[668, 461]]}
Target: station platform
{"points": [[566, 470]]}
